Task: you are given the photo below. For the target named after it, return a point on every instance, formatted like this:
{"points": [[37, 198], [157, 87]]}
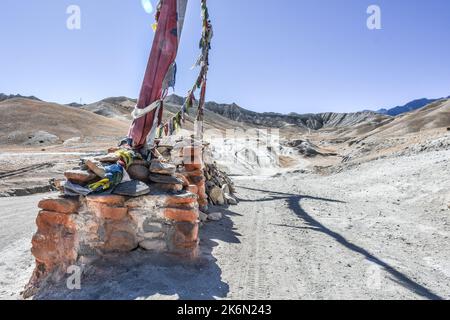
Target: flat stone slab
{"points": [[132, 188], [80, 176], [162, 168], [160, 178]]}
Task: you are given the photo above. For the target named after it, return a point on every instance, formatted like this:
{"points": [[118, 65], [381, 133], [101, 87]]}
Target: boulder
{"points": [[216, 195], [226, 189], [153, 245], [230, 199], [215, 216], [80, 176], [203, 217], [138, 172]]}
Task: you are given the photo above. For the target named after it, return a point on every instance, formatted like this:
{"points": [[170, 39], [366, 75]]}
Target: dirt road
{"points": [[377, 231], [17, 221]]}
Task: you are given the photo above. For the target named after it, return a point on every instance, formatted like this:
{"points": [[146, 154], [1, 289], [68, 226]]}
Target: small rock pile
{"points": [[212, 185], [219, 187]]}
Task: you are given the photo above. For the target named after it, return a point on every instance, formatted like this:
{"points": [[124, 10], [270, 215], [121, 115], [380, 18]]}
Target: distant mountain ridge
{"points": [[4, 97], [410, 106], [233, 115], [277, 120]]}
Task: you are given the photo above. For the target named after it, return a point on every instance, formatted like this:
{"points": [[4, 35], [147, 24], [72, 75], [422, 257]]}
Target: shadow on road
{"points": [[294, 202], [140, 275]]}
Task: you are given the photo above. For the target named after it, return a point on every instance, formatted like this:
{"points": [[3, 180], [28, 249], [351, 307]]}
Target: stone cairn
{"points": [[162, 214]]}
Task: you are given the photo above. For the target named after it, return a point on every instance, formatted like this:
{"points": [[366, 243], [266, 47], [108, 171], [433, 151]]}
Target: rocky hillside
{"points": [[411, 106], [120, 108], [433, 116], [4, 97], [224, 116], [32, 122], [301, 121], [115, 107]]}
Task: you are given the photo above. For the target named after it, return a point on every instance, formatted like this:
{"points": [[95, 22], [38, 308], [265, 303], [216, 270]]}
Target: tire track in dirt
{"points": [[27, 169]]}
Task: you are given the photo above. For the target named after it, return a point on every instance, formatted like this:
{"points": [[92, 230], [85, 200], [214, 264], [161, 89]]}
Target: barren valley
{"points": [[340, 206]]}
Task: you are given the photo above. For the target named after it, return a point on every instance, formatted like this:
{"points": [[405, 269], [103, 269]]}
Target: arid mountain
{"points": [[4, 97], [32, 122], [117, 108], [120, 108], [410, 106], [282, 121], [433, 116]]}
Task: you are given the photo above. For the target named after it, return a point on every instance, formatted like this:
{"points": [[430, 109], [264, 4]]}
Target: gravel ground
{"points": [[379, 230]]}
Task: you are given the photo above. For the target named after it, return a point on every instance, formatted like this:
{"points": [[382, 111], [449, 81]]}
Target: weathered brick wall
{"points": [[77, 231], [193, 171]]}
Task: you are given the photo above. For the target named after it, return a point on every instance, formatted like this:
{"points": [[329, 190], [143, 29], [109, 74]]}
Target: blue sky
{"points": [[284, 56]]}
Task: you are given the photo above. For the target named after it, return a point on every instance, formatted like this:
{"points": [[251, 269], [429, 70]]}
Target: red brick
{"points": [[192, 188], [193, 167], [54, 248], [62, 205], [202, 191], [104, 211], [46, 220], [111, 200], [181, 215], [194, 173], [54, 243], [186, 198]]}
